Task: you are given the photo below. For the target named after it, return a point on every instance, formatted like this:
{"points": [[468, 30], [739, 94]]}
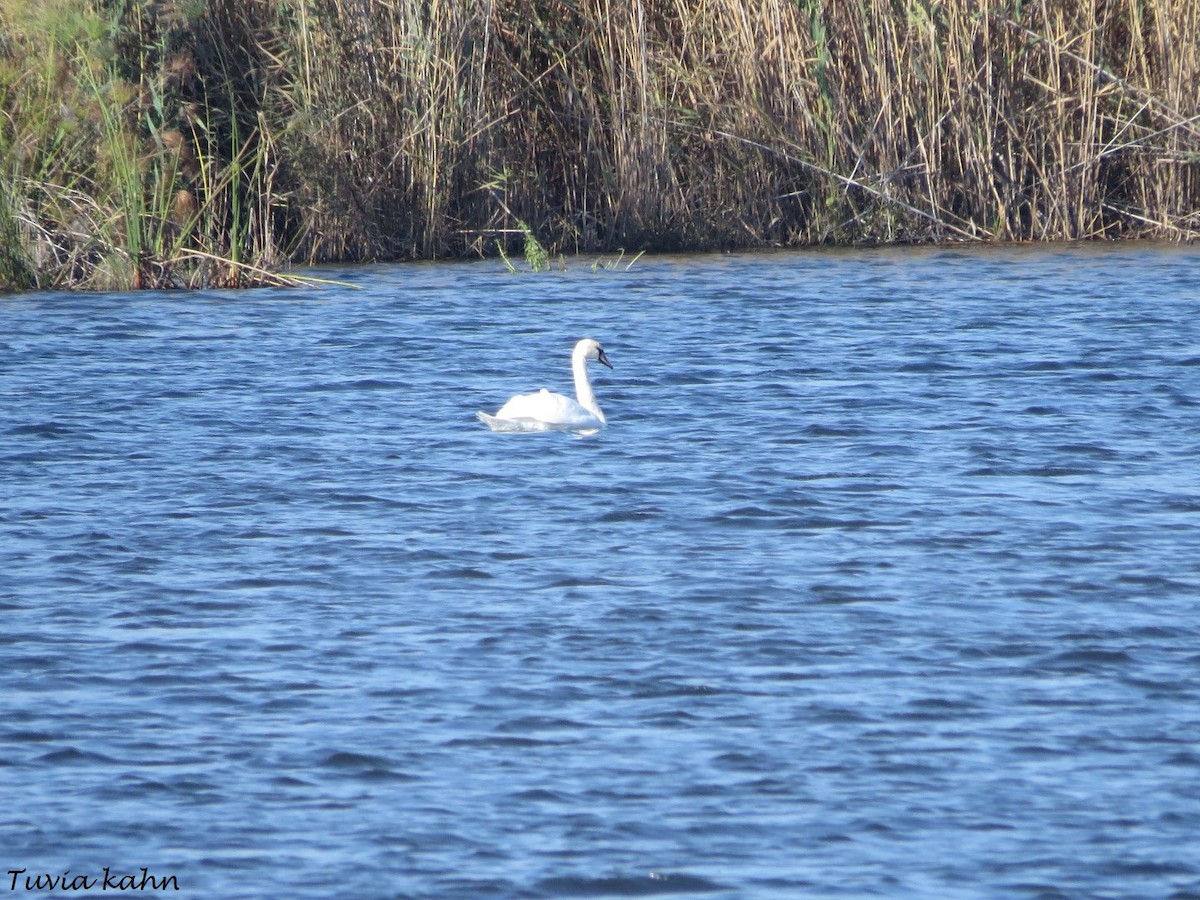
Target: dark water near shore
{"points": [[883, 580]]}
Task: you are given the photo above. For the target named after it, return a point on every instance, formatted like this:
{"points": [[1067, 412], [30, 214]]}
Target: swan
{"points": [[546, 411]]}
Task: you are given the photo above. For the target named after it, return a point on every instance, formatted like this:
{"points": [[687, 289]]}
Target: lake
{"points": [[883, 580]]}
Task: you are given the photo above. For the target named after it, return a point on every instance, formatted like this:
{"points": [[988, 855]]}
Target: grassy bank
{"points": [[183, 142]]}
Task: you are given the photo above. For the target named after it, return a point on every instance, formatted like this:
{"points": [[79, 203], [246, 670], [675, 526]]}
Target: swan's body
{"points": [[547, 411]]}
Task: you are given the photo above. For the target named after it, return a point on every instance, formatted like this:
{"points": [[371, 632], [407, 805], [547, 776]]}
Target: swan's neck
{"points": [[583, 386]]}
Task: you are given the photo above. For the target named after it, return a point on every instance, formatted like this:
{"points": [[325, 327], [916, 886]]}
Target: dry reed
{"points": [[367, 129]]}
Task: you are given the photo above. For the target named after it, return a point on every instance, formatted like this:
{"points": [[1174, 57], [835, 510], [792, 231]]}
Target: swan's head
{"points": [[591, 349]]}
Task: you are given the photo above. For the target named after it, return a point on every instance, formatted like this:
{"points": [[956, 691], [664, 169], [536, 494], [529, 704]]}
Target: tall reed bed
{"points": [[191, 142], [120, 166]]}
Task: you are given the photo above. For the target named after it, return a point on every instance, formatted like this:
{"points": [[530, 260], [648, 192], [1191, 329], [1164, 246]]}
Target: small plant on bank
{"points": [[536, 256]]}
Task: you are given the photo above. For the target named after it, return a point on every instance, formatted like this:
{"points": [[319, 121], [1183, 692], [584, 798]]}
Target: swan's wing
{"points": [[541, 411], [548, 407], [524, 406]]}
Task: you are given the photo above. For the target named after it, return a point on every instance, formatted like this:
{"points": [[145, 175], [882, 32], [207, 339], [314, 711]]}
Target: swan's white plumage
{"points": [[546, 411]]}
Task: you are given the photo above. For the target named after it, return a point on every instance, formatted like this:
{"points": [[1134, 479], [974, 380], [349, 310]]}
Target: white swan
{"points": [[545, 411]]}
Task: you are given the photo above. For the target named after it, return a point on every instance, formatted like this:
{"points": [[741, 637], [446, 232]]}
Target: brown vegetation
{"points": [[180, 142]]}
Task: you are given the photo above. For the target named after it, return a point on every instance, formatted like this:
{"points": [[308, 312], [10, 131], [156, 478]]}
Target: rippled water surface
{"points": [[884, 579]]}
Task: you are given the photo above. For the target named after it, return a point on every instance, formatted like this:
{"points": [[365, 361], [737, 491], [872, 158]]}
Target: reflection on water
{"points": [[882, 579]]}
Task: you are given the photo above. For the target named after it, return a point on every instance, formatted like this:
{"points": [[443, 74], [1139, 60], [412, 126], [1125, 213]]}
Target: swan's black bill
{"points": [[604, 359]]}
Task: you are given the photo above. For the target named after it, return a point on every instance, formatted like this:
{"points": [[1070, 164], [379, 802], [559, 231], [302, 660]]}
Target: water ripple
{"points": [[883, 580]]}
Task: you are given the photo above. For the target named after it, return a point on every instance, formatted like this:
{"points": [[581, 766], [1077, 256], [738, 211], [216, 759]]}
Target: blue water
{"points": [[884, 580]]}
